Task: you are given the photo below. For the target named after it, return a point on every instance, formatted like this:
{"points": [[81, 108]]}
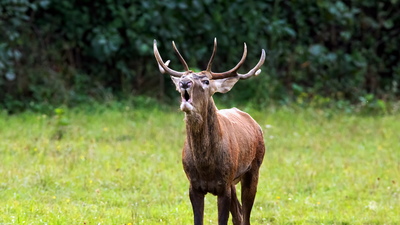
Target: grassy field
{"points": [[124, 167]]}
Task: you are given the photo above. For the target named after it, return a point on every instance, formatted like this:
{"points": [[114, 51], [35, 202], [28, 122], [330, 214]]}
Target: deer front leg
{"points": [[197, 200], [224, 202]]}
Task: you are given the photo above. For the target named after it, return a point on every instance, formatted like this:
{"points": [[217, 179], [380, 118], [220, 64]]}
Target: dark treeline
{"points": [[76, 51]]}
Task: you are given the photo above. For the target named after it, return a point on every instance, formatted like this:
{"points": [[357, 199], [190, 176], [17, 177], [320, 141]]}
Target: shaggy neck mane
{"points": [[203, 131]]}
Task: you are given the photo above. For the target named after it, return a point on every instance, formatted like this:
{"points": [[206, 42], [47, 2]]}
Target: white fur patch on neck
{"points": [[185, 106]]}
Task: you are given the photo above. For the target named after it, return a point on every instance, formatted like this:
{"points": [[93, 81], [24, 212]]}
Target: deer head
{"points": [[197, 88]]}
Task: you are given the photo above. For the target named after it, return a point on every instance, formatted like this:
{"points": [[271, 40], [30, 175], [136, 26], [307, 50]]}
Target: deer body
{"points": [[212, 158], [222, 147]]}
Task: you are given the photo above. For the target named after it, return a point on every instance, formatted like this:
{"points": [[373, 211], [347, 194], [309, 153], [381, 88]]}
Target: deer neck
{"points": [[204, 132]]}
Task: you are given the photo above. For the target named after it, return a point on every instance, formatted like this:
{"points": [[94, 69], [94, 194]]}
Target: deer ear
{"points": [[176, 82], [224, 85]]}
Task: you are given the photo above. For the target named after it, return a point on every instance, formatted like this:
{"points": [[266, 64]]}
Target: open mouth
{"points": [[186, 97], [186, 104]]}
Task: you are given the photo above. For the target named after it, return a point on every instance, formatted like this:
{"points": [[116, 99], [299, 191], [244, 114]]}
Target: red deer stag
{"points": [[222, 147]]}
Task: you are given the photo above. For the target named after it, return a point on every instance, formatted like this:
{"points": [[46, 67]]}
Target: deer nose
{"points": [[185, 84]]}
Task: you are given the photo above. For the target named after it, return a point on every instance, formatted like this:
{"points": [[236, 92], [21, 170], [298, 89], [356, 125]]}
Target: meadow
{"points": [[123, 166]]}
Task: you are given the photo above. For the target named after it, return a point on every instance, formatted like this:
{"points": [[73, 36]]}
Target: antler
{"points": [[164, 66], [212, 56], [233, 72], [180, 57]]}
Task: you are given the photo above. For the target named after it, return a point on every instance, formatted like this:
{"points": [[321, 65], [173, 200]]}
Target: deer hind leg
{"points": [[235, 208], [249, 188], [249, 182]]}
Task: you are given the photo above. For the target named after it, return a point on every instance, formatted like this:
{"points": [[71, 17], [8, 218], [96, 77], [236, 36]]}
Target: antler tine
{"points": [[180, 57], [232, 72], [165, 68], [256, 70], [160, 68], [212, 56]]}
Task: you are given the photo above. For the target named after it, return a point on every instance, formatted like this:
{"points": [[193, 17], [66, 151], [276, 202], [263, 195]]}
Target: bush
{"points": [[70, 51]]}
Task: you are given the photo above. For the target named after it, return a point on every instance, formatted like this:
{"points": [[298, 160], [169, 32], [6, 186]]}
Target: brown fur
{"points": [[222, 148]]}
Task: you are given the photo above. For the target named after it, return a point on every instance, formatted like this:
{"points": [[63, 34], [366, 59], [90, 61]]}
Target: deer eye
{"points": [[206, 82]]}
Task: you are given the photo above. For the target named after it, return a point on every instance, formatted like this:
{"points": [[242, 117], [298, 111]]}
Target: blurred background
{"points": [[69, 52]]}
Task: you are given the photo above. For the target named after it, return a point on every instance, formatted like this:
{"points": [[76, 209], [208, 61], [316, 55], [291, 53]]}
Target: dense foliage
{"points": [[70, 51]]}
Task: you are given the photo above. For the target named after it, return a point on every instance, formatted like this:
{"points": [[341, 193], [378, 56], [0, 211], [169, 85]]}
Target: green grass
{"points": [[124, 166]]}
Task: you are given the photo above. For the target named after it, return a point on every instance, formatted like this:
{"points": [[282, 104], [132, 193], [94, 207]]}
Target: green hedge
{"points": [[71, 52]]}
